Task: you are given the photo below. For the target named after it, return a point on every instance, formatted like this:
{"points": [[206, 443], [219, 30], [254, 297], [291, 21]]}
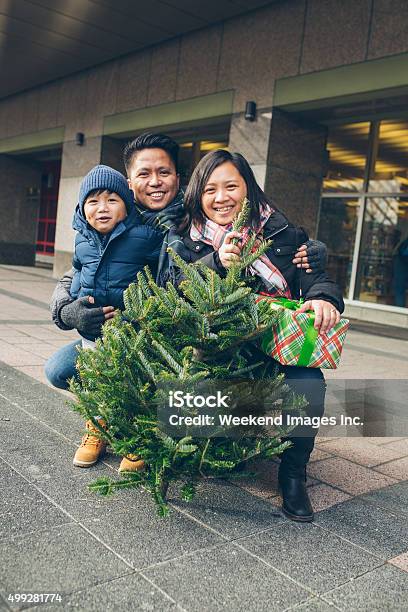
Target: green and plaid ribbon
{"points": [[311, 334]]}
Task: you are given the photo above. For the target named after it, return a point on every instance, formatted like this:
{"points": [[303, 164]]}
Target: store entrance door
{"points": [[47, 217]]}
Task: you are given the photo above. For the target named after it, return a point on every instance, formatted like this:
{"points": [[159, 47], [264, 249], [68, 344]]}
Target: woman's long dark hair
{"points": [[200, 177]]}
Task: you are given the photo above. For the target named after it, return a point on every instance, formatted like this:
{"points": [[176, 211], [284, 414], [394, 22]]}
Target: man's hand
{"points": [[326, 315], [229, 253], [312, 256], [85, 317]]}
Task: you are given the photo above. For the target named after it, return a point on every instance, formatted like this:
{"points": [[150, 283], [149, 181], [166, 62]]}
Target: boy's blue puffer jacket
{"points": [[105, 266]]}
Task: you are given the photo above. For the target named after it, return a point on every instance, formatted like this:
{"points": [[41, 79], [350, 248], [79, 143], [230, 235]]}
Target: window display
{"points": [[381, 234], [337, 229], [367, 236]]}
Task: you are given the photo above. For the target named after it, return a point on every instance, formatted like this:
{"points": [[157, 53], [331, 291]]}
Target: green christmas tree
{"points": [[202, 334]]}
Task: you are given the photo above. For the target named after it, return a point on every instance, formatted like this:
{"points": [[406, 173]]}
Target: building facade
{"points": [[328, 141]]}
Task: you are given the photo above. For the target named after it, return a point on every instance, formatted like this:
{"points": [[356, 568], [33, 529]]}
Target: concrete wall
{"points": [[246, 54]]}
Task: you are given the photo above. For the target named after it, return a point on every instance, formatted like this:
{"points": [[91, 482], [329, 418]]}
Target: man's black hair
{"points": [[151, 141]]}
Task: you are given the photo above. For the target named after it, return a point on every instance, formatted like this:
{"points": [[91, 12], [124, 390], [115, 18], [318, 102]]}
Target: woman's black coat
{"points": [[286, 240]]}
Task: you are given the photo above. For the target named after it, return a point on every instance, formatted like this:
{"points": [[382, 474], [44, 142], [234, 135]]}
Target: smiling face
{"points": [[104, 211], [223, 194], [153, 178]]}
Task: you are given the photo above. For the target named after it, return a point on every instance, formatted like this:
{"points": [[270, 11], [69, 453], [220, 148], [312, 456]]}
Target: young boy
{"points": [[111, 247]]}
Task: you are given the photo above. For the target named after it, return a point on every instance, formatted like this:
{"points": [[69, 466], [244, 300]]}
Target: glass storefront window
{"points": [[382, 273], [337, 229], [391, 165], [347, 146], [377, 219]]}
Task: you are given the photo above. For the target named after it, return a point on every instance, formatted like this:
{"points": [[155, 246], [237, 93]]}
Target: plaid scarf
{"points": [[214, 234]]}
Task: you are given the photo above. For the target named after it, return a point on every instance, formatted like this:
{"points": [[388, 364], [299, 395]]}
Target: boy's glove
{"points": [[316, 255], [83, 316]]}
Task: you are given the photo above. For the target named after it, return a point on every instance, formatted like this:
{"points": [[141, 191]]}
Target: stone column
{"points": [[296, 164], [251, 139], [19, 207], [112, 153], [84, 100], [76, 163]]}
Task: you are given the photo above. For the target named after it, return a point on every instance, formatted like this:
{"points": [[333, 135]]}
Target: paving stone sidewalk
{"points": [[229, 549]]}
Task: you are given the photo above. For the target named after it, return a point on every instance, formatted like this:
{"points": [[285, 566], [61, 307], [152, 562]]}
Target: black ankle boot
{"points": [[296, 503]]}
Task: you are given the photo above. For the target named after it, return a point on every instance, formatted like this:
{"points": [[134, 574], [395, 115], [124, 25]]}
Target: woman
{"points": [[212, 200]]}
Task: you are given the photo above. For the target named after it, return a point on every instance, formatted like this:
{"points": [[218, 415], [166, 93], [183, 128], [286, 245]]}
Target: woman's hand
{"points": [[326, 315], [230, 253]]}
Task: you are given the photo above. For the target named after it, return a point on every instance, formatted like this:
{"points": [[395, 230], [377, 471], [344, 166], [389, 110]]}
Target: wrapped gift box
{"points": [[294, 341]]}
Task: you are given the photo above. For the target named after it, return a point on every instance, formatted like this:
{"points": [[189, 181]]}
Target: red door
{"points": [[48, 208]]}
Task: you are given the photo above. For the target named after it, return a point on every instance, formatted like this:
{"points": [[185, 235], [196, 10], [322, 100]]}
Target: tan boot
{"points": [[92, 447], [131, 463]]}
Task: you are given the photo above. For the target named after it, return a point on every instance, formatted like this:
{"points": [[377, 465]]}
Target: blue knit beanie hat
{"points": [[104, 177]]}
